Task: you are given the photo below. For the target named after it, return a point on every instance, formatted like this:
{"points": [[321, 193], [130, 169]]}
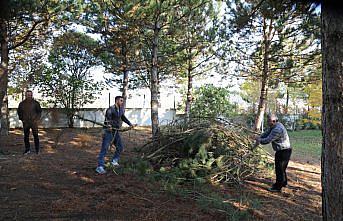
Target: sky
{"points": [[140, 98]]}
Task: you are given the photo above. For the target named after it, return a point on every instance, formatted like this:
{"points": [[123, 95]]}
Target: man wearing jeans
{"points": [[277, 135], [113, 116], [29, 112]]}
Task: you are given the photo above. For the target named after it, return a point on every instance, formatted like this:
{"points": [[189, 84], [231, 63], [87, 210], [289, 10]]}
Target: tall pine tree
{"points": [[273, 43]]}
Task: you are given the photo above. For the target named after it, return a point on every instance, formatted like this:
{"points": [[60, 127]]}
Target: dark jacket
{"points": [[29, 111], [114, 115], [278, 136]]}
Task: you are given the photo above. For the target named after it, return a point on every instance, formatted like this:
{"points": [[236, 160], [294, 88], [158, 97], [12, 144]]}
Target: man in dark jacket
{"points": [[113, 117], [29, 112], [278, 136]]}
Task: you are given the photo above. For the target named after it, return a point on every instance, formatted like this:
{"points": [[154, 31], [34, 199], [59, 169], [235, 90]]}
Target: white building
{"points": [[138, 109]]}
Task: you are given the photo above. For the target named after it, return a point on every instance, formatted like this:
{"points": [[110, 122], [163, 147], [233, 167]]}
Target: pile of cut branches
{"points": [[207, 148]]}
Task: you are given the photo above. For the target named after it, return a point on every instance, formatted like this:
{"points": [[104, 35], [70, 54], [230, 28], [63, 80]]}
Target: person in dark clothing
{"points": [[29, 112], [113, 117], [278, 136]]}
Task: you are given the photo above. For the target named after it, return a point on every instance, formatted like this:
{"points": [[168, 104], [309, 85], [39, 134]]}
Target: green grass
{"points": [[306, 144]]}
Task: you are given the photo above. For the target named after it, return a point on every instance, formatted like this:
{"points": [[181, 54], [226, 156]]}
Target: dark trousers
{"points": [[34, 128], [281, 162]]}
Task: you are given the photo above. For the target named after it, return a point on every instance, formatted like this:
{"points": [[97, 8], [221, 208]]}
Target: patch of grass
{"points": [[136, 166], [306, 143]]}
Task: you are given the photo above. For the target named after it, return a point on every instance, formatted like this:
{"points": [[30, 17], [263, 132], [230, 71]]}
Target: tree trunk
{"points": [[125, 86], [189, 88], [264, 93], [72, 111], [189, 96], [262, 103], [287, 102], [125, 75], [332, 152], [4, 121], [265, 78], [154, 83]]}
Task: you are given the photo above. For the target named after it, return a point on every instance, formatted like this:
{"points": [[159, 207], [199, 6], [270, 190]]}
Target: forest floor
{"points": [[61, 184]]}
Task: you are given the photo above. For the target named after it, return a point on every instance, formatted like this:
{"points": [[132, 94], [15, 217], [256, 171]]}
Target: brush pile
{"points": [[208, 148]]}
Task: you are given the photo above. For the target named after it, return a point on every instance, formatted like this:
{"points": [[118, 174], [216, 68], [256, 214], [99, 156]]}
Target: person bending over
{"points": [[278, 136]]}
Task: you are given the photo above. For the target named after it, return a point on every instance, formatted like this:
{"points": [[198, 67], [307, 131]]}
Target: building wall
{"points": [[55, 118]]}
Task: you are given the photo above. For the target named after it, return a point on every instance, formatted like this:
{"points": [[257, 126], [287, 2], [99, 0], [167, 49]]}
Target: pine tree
{"points": [[197, 38], [22, 22], [273, 44], [117, 24], [332, 152]]}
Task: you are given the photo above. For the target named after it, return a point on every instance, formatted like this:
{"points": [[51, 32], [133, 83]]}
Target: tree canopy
{"points": [[66, 79]]}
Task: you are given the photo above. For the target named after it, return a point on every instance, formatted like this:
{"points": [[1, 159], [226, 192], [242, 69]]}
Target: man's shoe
{"points": [[274, 190], [100, 170], [114, 163], [27, 152]]}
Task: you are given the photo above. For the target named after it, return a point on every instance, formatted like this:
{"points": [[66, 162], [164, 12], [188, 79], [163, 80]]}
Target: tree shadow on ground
{"points": [[300, 200], [60, 183]]}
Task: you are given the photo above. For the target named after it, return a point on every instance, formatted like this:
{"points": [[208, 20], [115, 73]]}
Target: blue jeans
{"points": [[108, 137]]}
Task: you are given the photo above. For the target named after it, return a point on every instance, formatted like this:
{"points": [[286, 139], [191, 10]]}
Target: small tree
{"points": [[211, 101], [66, 80]]}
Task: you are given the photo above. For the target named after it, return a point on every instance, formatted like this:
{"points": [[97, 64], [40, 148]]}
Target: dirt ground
{"points": [[60, 184]]}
